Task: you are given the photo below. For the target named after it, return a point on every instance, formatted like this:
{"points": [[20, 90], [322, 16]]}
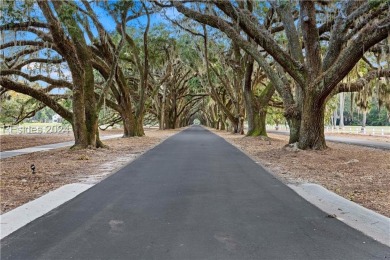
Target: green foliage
{"points": [[118, 7], [44, 115], [375, 3], [195, 85], [15, 11], [331, 106], [159, 41], [67, 13], [11, 106], [274, 116], [68, 16], [378, 116]]}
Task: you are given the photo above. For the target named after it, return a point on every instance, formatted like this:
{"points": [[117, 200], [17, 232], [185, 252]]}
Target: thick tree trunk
{"points": [[99, 143], [294, 124], [293, 116], [241, 125], [170, 121], [256, 119], [251, 115], [139, 127], [132, 125], [258, 124], [91, 118], [79, 126], [128, 123], [177, 123], [235, 125], [311, 134], [223, 124]]}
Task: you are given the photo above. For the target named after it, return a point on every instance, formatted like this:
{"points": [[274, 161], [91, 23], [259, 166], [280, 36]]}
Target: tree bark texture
{"points": [[311, 134]]}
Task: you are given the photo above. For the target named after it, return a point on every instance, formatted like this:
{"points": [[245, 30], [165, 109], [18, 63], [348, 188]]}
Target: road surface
{"points": [[193, 197]]}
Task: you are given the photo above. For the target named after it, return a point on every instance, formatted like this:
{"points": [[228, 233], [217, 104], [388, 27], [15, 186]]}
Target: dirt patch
{"points": [[7, 142], [58, 167], [357, 173]]}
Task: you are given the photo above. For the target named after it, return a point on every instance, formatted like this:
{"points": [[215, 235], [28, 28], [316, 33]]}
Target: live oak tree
{"points": [[26, 55], [121, 64], [72, 45], [69, 23], [318, 54]]}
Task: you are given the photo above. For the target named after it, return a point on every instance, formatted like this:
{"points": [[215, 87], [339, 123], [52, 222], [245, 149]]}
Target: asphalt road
{"points": [[193, 197]]}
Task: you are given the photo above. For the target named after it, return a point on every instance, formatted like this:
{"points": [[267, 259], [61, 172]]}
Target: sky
{"points": [[155, 18]]}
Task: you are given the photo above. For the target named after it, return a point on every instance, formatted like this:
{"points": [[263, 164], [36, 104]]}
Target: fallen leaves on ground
{"points": [[360, 174], [55, 168]]}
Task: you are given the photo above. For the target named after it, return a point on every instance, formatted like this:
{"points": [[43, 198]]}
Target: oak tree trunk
{"points": [[235, 125], [138, 129], [128, 122], [91, 117], [311, 134], [294, 125], [223, 124], [258, 127]]}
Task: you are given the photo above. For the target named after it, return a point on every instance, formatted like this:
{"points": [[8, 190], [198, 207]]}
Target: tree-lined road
{"points": [[193, 197]]}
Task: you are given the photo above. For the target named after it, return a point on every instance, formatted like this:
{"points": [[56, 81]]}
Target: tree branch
{"points": [[360, 83], [361, 43], [37, 94], [292, 67], [36, 78], [310, 38]]}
